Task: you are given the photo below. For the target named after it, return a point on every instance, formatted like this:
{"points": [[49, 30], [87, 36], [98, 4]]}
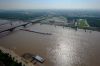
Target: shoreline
{"points": [[17, 57]]}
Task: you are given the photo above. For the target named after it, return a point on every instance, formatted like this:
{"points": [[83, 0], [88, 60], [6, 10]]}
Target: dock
{"points": [[38, 58]]}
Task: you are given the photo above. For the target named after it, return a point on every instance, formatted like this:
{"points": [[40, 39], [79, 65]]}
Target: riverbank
{"points": [[17, 57]]}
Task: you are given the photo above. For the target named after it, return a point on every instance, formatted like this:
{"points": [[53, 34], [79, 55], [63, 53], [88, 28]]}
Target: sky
{"points": [[50, 4]]}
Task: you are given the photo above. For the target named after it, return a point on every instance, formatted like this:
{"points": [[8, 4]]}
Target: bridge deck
{"points": [[23, 24], [12, 28]]}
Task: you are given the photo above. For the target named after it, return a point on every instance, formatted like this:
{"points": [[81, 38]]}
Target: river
{"points": [[65, 47]]}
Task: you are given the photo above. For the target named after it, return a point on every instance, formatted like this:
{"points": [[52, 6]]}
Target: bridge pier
{"points": [[24, 26], [11, 30], [11, 24]]}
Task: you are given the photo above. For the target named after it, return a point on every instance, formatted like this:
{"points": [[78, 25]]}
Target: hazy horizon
{"points": [[49, 4]]}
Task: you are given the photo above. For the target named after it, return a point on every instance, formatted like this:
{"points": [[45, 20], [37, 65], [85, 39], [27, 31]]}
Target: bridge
{"points": [[23, 24]]}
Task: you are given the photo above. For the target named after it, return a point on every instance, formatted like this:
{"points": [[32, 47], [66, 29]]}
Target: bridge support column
{"points": [[24, 25], [11, 30]]}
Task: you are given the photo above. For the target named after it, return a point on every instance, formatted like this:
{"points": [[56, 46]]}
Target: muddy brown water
{"points": [[65, 47]]}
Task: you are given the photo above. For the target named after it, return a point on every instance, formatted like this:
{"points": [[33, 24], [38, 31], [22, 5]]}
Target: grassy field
{"points": [[82, 23]]}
